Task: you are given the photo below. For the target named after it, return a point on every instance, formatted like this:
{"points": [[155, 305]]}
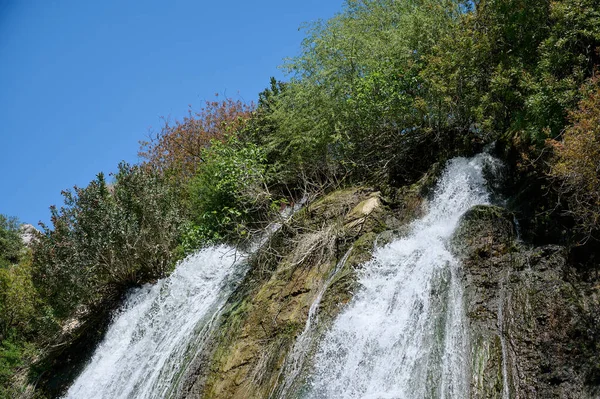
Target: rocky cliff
{"points": [[534, 324], [310, 263], [534, 321]]}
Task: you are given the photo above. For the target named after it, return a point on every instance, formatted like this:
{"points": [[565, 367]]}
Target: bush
{"points": [[19, 302], [177, 150], [228, 193], [107, 238], [25, 323], [11, 358], [354, 105], [10, 241]]}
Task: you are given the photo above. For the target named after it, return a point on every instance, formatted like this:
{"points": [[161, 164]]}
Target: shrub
{"points": [[24, 323], [10, 241], [11, 358], [228, 192], [107, 238], [177, 150], [19, 303], [354, 100]]}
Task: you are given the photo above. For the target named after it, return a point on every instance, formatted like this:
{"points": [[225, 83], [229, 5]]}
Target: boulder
{"points": [[28, 233]]}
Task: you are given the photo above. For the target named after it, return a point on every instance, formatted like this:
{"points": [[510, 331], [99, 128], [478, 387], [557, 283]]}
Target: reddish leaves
{"points": [[176, 150]]}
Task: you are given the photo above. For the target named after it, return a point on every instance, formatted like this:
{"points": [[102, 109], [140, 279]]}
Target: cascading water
{"points": [[404, 333], [159, 329]]}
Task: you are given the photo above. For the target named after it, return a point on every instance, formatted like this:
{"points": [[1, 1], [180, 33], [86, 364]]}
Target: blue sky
{"points": [[81, 82]]}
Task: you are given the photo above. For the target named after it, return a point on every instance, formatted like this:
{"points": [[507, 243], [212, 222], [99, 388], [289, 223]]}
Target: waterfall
{"points": [[404, 333], [159, 329]]}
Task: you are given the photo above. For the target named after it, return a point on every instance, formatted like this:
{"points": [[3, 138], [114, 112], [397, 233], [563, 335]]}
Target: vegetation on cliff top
{"points": [[377, 94]]}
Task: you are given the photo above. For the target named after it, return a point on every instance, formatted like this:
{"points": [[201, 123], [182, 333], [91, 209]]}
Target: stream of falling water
{"points": [[403, 336], [404, 333], [161, 328], [153, 338]]}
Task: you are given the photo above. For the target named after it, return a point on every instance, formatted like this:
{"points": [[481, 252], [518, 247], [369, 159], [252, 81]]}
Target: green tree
{"points": [[25, 322], [513, 68], [576, 166], [18, 301], [176, 151], [566, 58], [354, 101]]}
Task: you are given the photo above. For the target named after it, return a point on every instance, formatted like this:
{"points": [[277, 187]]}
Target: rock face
{"points": [[534, 323], [270, 311], [28, 233]]}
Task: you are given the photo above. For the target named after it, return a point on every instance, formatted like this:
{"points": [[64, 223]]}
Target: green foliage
{"points": [[11, 243], [354, 102], [176, 151], [107, 238], [387, 87], [21, 311], [18, 301], [25, 322], [227, 193], [567, 56], [262, 125], [513, 66]]}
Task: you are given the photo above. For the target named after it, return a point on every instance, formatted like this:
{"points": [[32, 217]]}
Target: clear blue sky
{"points": [[81, 82]]}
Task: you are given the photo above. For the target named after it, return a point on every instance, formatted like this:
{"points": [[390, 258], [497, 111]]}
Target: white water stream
{"points": [[159, 329], [162, 327], [404, 333]]}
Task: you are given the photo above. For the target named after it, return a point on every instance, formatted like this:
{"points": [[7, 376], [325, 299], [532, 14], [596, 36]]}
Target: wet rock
{"points": [[269, 311], [530, 317]]}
